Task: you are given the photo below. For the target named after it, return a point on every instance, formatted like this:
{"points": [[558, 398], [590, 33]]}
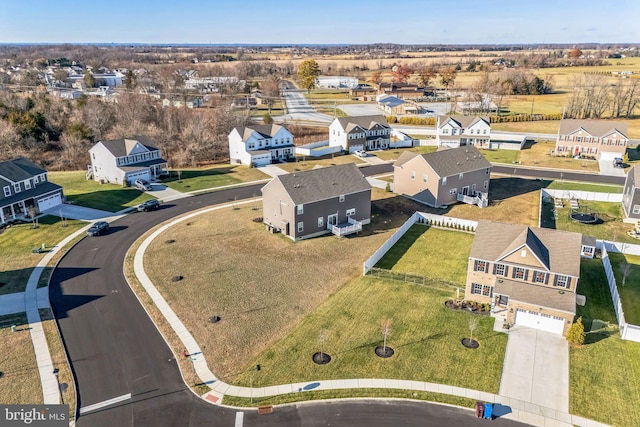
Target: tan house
{"points": [[529, 275], [443, 177], [600, 139]]}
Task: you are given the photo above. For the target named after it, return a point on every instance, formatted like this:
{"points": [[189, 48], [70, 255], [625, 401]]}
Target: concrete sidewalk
{"points": [[15, 303], [507, 407]]}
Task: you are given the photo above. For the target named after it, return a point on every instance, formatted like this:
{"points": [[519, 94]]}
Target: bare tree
{"points": [[98, 116], [322, 339], [447, 76], [385, 328], [473, 324], [426, 74], [401, 73], [625, 269]]}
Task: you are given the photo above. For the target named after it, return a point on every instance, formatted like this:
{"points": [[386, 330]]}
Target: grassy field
{"points": [[426, 338], [394, 153], [630, 291], [16, 242], [539, 155], [610, 226], [59, 358], [211, 177], [89, 193], [308, 163], [593, 285], [501, 156], [21, 381], [581, 186], [301, 276], [543, 126], [414, 254]]}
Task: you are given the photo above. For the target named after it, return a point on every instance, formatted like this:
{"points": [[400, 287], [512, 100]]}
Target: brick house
{"points": [[601, 139]]}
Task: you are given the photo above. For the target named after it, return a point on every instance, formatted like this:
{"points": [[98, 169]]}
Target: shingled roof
{"points": [[462, 121], [266, 131], [123, 146], [597, 128], [452, 161], [323, 183], [19, 169], [558, 250], [365, 122]]}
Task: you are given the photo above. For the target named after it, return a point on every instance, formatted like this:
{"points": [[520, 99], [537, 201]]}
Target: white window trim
{"points": [[300, 227], [320, 221], [7, 191], [300, 209], [351, 212]]}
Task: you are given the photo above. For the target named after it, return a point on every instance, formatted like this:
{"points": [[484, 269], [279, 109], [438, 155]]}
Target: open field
{"points": [[630, 290], [193, 179], [301, 276], [425, 336], [89, 193], [16, 242], [20, 379], [416, 253]]}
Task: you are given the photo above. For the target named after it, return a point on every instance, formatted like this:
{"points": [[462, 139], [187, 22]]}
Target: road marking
{"points": [[104, 403], [239, 419]]}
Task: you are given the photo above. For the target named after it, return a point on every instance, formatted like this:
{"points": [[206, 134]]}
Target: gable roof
{"points": [[462, 121], [365, 122], [391, 101], [19, 169], [123, 146], [266, 131], [560, 250], [454, 161], [323, 183], [597, 128], [405, 157]]}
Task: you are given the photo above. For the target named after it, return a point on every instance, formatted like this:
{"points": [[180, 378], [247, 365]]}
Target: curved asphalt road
{"points": [[115, 349]]}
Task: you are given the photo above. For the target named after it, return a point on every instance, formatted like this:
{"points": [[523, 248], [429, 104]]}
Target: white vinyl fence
{"points": [[583, 195]]}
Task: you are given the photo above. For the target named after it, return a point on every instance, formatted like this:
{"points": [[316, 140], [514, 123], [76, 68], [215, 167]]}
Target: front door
{"points": [[332, 219], [465, 190]]}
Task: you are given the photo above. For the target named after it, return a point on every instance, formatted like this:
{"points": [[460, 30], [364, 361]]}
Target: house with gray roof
{"points": [[26, 190], [444, 177], [126, 160], [631, 195], [360, 133], [260, 145], [456, 131], [307, 204], [529, 275], [598, 139]]}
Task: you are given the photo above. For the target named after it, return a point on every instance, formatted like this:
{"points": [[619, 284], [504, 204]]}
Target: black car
{"points": [[149, 205], [98, 228]]}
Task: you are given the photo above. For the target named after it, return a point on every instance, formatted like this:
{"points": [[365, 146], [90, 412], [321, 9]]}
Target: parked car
{"points": [[143, 185], [149, 205], [98, 228], [618, 162], [360, 153]]}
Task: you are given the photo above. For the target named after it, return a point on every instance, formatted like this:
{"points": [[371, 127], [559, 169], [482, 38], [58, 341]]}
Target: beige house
{"points": [[443, 177], [600, 139], [529, 275]]}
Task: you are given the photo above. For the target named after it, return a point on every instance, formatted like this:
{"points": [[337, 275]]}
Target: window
{"points": [[452, 191], [562, 281], [35, 179], [500, 269], [16, 188], [27, 185], [351, 212], [487, 172], [341, 198], [519, 273], [424, 178], [484, 290], [444, 181], [320, 222], [480, 265], [636, 209], [413, 175], [460, 176], [539, 277], [486, 185], [252, 146], [300, 226], [93, 155], [300, 209], [7, 191]]}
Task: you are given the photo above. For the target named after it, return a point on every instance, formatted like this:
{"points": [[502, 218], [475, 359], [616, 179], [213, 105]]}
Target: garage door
{"points": [[49, 202], [544, 322], [604, 155], [131, 177]]}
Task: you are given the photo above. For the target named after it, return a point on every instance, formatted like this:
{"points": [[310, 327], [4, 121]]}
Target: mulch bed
{"points": [[321, 358], [469, 306], [469, 343], [384, 352]]}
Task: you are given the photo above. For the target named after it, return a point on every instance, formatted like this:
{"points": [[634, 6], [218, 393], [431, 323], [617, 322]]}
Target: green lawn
{"points": [[580, 186], [593, 285], [308, 163], [610, 226], [630, 291], [16, 242], [426, 337], [416, 253], [212, 177], [394, 153], [501, 156], [20, 380], [89, 193]]}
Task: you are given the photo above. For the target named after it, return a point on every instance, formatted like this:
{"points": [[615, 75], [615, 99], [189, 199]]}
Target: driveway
{"points": [[78, 212], [606, 168], [536, 368]]}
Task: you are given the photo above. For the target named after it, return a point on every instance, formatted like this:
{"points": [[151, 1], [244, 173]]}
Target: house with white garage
{"points": [[260, 145], [126, 160], [457, 131], [360, 133], [529, 275], [26, 190], [599, 139], [631, 195]]}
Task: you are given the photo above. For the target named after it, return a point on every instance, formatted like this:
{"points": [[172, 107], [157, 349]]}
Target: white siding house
{"points": [[126, 159], [360, 133], [260, 145], [456, 131]]}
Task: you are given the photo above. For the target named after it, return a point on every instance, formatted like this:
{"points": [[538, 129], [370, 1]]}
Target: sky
{"points": [[320, 22]]}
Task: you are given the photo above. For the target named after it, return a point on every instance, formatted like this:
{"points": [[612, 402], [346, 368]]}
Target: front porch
{"points": [[17, 211], [352, 226]]}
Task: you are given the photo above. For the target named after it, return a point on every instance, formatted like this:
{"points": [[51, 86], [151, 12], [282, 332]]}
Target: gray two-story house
{"points": [[26, 190], [302, 205], [631, 195]]}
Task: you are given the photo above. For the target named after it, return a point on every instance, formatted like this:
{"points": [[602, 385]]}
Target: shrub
{"points": [[576, 333]]}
